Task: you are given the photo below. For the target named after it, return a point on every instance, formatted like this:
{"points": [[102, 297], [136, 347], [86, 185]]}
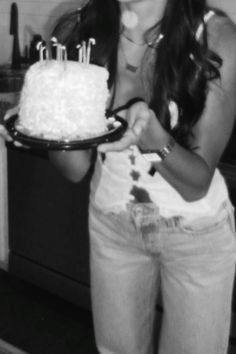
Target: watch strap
{"points": [[159, 154]]}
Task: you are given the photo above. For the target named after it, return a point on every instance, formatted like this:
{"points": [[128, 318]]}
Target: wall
{"points": [[227, 5], [37, 16]]}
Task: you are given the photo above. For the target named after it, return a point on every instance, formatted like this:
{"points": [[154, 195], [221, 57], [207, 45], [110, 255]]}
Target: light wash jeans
{"points": [[136, 254]]}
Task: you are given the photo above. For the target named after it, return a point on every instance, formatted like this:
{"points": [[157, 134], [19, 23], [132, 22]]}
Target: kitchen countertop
{"points": [[11, 81], [6, 70]]}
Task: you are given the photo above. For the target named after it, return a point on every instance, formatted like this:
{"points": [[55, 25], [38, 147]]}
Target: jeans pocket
{"points": [[209, 224]]}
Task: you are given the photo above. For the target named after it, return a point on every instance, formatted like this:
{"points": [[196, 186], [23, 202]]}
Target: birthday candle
{"points": [[47, 54], [41, 49], [56, 44], [79, 53], [84, 52], [63, 53], [91, 42], [59, 52]]}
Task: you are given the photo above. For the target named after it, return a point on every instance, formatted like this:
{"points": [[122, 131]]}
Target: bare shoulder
{"points": [[222, 36], [213, 130]]}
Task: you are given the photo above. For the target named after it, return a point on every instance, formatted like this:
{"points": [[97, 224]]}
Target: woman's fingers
{"points": [[3, 131], [138, 117], [141, 124], [129, 138], [4, 134], [11, 112]]}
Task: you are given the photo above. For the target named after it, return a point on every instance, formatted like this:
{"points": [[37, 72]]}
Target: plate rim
{"points": [[51, 144]]}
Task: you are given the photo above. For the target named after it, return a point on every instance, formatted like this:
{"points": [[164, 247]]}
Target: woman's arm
{"points": [[186, 171], [212, 132], [72, 164], [190, 172]]}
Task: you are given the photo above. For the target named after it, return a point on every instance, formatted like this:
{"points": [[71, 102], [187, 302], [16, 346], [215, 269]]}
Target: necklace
{"points": [[128, 66], [129, 18], [153, 45], [141, 44]]}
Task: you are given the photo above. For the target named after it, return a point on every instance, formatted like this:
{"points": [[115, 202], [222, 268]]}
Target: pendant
{"points": [[129, 19], [133, 69]]}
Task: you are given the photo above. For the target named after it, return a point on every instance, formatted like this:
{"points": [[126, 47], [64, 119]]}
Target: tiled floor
{"points": [[41, 323]]}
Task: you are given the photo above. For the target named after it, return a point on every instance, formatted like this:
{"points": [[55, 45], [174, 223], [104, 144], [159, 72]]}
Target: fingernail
{"points": [[16, 143]]}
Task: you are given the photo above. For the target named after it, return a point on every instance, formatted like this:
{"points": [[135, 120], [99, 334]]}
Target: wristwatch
{"points": [[160, 154]]}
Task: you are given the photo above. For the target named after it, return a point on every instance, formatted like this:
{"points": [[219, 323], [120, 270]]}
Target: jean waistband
{"points": [[148, 213]]}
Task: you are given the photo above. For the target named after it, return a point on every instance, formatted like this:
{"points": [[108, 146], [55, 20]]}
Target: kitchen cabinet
{"points": [[48, 228]]}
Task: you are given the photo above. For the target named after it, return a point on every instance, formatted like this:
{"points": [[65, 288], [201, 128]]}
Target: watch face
{"points": [[152, 157]]}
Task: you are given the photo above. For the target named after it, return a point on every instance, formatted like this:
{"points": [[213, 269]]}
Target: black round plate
{"points": [[115, 131]]}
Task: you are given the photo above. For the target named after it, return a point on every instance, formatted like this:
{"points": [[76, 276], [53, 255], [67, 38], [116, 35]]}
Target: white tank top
{"points": [[123, 177]]}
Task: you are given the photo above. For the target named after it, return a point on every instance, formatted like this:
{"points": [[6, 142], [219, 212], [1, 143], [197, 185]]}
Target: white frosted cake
{"points": [[63, 100]]}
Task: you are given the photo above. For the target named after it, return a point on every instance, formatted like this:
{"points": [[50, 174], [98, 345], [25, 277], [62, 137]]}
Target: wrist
{"points": [[159, 155]]}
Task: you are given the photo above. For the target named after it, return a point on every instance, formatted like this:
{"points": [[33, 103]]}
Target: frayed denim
{"points": [[137, 254]]}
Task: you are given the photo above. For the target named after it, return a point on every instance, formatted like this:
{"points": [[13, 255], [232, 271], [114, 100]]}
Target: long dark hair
{"points": [[183, 65]]}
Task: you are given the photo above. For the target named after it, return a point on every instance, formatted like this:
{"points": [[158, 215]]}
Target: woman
{"points": [[160, 215]]}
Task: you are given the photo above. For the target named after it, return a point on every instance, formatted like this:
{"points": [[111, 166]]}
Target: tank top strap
{"points": [[127, 105], [206, 19]]}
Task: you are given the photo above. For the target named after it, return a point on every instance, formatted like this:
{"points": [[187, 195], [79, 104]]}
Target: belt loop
{"points": [[176, 220], [171, 223]]}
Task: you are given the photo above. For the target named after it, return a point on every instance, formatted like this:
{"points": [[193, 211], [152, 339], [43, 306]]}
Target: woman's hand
{"points": [[143, 130], [4, 133]]}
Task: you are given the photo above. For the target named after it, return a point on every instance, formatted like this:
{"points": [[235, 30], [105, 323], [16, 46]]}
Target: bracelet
{"points": [[160, 154]]}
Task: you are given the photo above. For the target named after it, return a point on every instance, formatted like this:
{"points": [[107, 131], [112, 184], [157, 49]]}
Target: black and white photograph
{"points": [[117, 176]]}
